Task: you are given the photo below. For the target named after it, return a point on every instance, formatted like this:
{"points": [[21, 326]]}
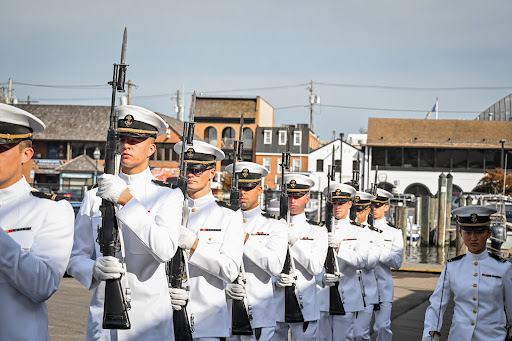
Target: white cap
{"points": [[200, 151], [138, 121], [249, 173], [297, 183], [17, 124], [340, 191]]}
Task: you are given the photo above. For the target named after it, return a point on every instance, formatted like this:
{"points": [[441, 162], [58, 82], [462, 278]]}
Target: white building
{"points": [[320, 159], [412, 153]]}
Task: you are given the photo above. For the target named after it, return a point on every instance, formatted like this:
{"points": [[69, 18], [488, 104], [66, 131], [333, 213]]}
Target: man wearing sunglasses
{"points": [[308, 250], [266, 240], [373, 238], [149, 216], [345, 239], [36, 233], [214, 239], [391, 257]]}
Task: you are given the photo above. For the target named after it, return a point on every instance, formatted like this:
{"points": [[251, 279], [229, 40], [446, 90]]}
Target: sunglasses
{"points": [[377, 205], [7, 146], [198, 171], [296, 196]]}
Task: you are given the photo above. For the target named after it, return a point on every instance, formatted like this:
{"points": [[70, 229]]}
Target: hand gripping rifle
{"points": [[240, 319], [176, 267], [292, 307], [115, 311], [335, 302]]}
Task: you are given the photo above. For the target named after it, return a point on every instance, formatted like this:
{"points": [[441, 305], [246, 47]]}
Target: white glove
{"points": [[110, 187], [235, 291], [292, 237], [187, 238], [285, 280], [330, 280], [332, 240], [107, 268], [179, 298]]}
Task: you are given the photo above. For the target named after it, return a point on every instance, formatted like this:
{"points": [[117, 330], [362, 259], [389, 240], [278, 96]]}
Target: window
{"points": [[476, 159], [247, 138], [443, 158], [228, 137], [378, 156], [319, 165], [210, 135], [296, 165], [394, 157], [267, 137], [426, 158], [337, 165], [492, 159], [410, 158], [267, 163], [297, 138], [282, 137], [279, 168], [459, 158]]}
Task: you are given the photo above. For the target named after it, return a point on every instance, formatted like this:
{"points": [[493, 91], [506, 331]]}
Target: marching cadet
{"points": [[149, 216], [391, 257], [266, 241], [373, 239], [214, 236], [481, 283], [36, 234], [308, 250], [351, 255]]}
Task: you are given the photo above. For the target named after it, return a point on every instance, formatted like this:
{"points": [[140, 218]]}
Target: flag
{"points": [[434, 108]]}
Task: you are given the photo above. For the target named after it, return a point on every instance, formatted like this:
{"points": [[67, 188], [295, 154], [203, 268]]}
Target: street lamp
{"points": [[96, 155], [502, 141]]}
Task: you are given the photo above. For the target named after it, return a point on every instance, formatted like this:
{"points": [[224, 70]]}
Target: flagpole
{"points": [[437, 109]]}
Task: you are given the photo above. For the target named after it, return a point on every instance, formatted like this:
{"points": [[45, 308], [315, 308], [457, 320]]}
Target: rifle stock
{"points": [[115, 310]]}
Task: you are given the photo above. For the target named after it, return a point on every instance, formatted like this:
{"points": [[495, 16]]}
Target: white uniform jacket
{"points": [[264, 255], [482, 287], [36, 236], [391, 257], [371, 237], [352, 256], [217, 258], [309, 253], [150, 224]]}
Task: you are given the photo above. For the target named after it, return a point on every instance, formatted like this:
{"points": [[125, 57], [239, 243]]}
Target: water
{"points": [[429, 254]]}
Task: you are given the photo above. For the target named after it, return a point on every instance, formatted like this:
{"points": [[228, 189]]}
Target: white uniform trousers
{"points": [[336, 327], [297, 331], [266, 335], [362, 324], [382, 325]]}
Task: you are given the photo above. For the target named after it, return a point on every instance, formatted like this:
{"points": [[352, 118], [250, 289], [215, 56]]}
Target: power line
{"points": [[410, 88], [379, 109], [62, 86]]}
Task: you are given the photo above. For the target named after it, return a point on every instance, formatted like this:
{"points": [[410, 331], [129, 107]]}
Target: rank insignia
{"points": [[338, 192], [293, 183], [190, 152], [245, 172], [128, 120], [474, 218]]}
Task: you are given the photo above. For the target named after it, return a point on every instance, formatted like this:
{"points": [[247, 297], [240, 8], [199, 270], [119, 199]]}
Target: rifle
{"points": [[176, 267], [335, 302], [292, 307], [115, 310], [354, 183], [240, 319], [373, 191]]}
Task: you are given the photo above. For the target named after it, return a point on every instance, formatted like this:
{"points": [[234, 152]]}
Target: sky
{"points": [[373, 58]]}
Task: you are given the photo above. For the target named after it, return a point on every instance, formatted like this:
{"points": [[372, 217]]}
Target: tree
{"points": [[492, 182]]}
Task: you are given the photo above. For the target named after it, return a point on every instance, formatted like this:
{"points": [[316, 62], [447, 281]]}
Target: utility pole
{"points": [[178, 107], [9, 92], [313, 99], [130, 84], [28, 101]]}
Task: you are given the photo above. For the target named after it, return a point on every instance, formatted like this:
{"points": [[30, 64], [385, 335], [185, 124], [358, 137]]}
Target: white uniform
{"points": [[36, 236], [391, 256], [352, 256], [309, 253], [150, 224], [264, 255], [217, 258], [482, 286], [371, 237]]}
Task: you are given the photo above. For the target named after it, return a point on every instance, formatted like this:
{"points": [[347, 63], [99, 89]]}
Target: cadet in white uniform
{"points": [[481, 283], [391, 257], [352, 255], [150, 216], [266, 241], [36, 234], [373, 238], [308, 248], [215, 237]]}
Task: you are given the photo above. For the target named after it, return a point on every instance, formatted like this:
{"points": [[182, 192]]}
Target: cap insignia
{"points": [[128, 120], [293, 183], [338, 192], [358, 199], [245, 172], [190, 152], [474, 218]]}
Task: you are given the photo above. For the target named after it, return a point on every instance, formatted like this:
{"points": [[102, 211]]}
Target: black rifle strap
{"points": [[305, 326], [257, 333]]}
